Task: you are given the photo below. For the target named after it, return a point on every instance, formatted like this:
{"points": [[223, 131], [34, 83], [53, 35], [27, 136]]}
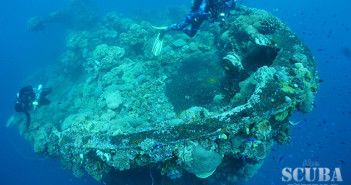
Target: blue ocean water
{"points": [[323, 136]]}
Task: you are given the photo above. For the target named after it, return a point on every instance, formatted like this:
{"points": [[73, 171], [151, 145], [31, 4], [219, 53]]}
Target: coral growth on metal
{"points": [[213, 105]]}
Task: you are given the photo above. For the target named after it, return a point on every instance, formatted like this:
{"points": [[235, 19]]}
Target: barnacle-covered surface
{"points": [[213, 105]]}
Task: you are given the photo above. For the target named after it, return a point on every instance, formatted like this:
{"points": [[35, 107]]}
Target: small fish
{"points": [[157, 146], [282, 157], [250, 139], [347, 52], [271, 111], [294, 123], [342, 142], [343, 162], [202, 114], [299, 98], [244, 160]]}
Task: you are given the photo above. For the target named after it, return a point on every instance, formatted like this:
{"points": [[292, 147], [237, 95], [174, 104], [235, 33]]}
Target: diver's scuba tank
{"points": [[37, 97]]}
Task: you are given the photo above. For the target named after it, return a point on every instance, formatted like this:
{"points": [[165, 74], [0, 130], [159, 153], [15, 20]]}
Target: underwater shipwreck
{"points": [[212, 106]]}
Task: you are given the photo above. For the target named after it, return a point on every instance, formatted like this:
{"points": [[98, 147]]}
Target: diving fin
{"points": [[159, 27], [157, 47]]}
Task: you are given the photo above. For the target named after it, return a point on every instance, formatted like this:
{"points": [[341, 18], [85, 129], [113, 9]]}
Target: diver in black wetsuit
{"points": [[30, 98], [213, 10]]}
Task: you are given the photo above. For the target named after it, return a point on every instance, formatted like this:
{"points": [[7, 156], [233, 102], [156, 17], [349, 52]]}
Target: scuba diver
{"points": [[213, 10], [30, 98]]}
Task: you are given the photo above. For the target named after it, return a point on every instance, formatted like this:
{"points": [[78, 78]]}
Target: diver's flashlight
{"points": [[222, 17]]}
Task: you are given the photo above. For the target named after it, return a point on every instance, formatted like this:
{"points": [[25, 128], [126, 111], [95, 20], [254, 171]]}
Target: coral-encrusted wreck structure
{"points": [[212, 106]]}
